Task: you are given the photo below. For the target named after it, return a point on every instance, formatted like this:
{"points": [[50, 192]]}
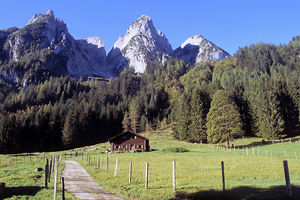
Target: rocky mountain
{"points": [[198, 49], [44, 47], [46, 40], [141, 43]]}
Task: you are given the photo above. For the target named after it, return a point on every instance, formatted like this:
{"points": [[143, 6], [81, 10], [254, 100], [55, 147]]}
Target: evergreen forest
{"points": [[255, 92]]}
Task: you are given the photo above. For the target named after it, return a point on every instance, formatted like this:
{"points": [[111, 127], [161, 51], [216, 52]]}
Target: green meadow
{"points": [[198, 170]]}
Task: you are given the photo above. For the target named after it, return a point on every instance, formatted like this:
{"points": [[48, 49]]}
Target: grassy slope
{"points": [[198, 171]]}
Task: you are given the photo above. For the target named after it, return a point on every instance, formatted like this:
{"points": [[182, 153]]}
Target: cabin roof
{"points": [[111, 139]]}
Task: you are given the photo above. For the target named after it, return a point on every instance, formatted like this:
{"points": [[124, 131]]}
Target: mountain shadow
{"points": [[187, 53]]}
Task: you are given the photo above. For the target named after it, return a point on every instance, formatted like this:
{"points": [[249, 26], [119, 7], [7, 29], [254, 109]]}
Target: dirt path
{"points": [[81, 185]]}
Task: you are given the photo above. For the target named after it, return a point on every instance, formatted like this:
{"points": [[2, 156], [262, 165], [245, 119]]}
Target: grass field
{"points": [[23, 181], [198, 171]]}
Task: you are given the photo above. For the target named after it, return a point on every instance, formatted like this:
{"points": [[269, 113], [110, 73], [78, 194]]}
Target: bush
{"points": [[176, 150]]}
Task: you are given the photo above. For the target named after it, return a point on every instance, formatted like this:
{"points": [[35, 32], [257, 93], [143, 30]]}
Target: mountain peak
{"points": [[141, 43], [194, 40], [40, 17], [95, 41], [198, 49], [142, 25], [50, 12], [144, 18]]}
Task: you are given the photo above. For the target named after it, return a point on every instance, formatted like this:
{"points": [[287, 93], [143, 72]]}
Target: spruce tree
{"points": [[134, 115], [183, 119], [71, 132], [223, 119], [197, 128], [126, 122], [270, 122], [265, 109]]}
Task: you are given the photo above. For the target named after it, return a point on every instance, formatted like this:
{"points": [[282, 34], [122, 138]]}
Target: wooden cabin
{"points": [[129, 141]]}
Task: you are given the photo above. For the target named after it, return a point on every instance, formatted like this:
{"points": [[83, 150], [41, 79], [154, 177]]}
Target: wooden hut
{"points": [[129, 141]]}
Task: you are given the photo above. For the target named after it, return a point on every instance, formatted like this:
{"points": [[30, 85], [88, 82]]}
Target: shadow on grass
{"points": [[21, 191], [243, 192], [262, 143], [23, 155]]}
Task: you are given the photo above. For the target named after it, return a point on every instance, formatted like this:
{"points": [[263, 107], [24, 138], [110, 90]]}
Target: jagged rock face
{"points": [[83, 57], [197, 49], [45, 42], [141, 43], [42, 31]]}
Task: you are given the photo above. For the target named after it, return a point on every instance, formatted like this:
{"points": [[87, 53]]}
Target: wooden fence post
{"points": [[223, 175], [284, 151], [63, 187], [101, 163], [98, 163], [253, 152], [146, 176], [55, 179], [247, 151], [116, 168], [287, 179], [50, 169], [271, 153], [130, 171], [106, 164], [46, 173], [174, 175], [54, 164]]}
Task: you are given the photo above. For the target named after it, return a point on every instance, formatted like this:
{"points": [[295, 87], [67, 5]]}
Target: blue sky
{"points": [[229, 24]]}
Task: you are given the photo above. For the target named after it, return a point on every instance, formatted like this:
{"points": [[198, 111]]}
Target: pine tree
{"points": [[223, 119], [134, 115], [183, 119], [265, 109], [126, 122], [70, 132], [197, 128], [270, 124]]}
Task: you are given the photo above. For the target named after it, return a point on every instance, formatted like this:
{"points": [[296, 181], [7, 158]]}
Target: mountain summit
{"points": [[198, 49], [45, 39], [141, 44], [44, 47]]}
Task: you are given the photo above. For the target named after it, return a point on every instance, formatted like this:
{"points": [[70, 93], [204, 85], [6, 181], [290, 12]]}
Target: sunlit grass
{"points": [[198, 169]]}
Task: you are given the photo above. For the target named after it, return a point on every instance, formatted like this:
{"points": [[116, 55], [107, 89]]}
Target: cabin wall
{"points": [[130, 144]]}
